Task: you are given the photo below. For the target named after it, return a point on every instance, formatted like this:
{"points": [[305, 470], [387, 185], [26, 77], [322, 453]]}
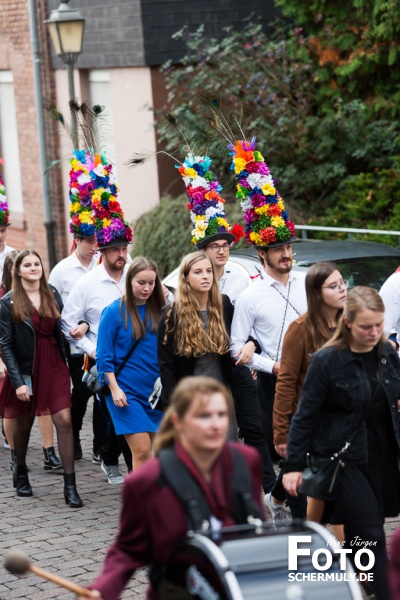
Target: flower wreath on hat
{"points": [[4, 212], [267, 221], [206, 205]]}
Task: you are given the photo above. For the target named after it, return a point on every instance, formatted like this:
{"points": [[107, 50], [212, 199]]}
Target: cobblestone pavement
{"points": [[68, 542]]}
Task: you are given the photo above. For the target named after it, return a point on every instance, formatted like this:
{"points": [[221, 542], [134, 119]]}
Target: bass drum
{"points": [[248, 563]]}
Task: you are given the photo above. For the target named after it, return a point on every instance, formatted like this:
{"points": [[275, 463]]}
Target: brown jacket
{"points": [[296, 356]]}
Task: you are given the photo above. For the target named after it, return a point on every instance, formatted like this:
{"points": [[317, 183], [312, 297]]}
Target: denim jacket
{"points": [[335, 395]]}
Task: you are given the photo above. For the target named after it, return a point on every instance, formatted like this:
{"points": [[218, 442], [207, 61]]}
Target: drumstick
{"points": [[19, 563]]}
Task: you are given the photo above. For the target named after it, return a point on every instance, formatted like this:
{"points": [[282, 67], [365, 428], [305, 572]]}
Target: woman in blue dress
{"points": [[133, 319]]}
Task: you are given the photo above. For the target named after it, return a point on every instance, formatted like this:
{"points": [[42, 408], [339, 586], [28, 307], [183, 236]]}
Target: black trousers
{"points": [[248, 418], [80, 397], [266, 383]]}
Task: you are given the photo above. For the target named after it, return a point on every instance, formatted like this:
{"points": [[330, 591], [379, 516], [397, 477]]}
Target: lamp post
{"points": [[66, 26]]}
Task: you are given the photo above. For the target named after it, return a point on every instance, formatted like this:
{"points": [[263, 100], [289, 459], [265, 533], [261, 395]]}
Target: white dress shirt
{"points": [[89, 296], [390, 294], [67, 272], [260, 311], [3, 254], [233, 282]]}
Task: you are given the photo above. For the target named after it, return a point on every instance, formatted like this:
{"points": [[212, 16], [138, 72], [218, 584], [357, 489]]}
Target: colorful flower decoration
{"points": [[267, 221], [80, 194], [206, 206], [109, 222], [4, 213]]}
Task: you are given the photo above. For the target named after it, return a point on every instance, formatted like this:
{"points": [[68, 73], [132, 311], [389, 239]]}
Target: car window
{"points": [[370, 270]]}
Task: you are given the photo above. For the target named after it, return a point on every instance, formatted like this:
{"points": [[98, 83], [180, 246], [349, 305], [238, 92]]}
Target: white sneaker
{"points": [[114, 475], [280, 513]]}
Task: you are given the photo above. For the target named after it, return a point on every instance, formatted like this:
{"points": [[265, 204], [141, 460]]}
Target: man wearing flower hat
{"points": [[4, 223], [212, 234], [99, 287], [278, 297]]}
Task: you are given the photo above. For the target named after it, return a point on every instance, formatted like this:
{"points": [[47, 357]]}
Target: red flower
{"points": [[268, 235], [237, 231]]}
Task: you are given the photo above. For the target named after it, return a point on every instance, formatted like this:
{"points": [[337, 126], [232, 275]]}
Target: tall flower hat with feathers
{"points": [[267, 223], [4, 213], [94, 209], [206, 206]]}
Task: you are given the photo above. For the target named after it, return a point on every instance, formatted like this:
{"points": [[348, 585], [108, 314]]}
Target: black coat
{"points": [[335, 394], [18, 340], [174, 367]]}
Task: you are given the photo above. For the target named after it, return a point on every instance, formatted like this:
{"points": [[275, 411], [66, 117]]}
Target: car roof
{"points": [[311, 251]]}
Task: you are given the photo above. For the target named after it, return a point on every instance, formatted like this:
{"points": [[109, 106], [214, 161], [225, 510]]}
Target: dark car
{"points": [[362, 263]]}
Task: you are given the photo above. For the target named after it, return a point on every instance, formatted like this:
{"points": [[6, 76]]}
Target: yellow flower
{"points": [[223, 222], [200, 229], [240, 164], [86, 217], [74, 207], [277, 222], [190, 172], [106, 222], [74, 164], [280, 204], [262, 210], [200, 218], [268, 189], [97, 194], [255, 237]]}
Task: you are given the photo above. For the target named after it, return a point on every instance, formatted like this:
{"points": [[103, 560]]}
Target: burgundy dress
{"points": [[50, 380]]}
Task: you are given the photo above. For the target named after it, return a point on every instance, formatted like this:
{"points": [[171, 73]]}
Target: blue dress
{"points": [[137, 377]]}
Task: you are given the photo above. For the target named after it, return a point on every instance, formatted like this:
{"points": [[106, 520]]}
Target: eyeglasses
{"points": [[335, 287], [217, 247]]}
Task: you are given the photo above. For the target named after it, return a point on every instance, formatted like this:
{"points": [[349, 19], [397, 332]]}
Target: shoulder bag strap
{"points": [[121, 366]]}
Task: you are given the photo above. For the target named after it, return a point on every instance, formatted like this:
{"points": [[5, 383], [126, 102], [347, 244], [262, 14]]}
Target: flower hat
{"points": [[80, 194], [4, 212], [111, 229], [267, 222], [206, 206]]}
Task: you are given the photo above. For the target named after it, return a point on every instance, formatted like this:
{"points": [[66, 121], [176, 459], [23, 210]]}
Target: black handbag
{"points": [[321, 477], [96, 383]]}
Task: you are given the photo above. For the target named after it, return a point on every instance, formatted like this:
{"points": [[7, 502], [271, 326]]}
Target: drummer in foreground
{"points": [[153, 519]]}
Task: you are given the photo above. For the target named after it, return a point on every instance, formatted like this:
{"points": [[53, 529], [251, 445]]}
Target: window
{"points": [[99, 89], [9, 148]]}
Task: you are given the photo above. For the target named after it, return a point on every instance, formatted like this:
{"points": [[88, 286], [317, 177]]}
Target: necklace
{"points": [[287, 302]]}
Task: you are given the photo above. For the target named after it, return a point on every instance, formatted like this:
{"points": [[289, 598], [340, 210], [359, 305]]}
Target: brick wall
{"points": [[16, 55]]}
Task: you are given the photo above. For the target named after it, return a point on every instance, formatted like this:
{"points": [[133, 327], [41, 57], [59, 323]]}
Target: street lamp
{"points": [[66, 27]]}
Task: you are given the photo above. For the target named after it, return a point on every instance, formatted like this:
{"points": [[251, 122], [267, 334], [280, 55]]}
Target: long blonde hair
{"points": [[359, 298], [188, 391], [191, 339]]}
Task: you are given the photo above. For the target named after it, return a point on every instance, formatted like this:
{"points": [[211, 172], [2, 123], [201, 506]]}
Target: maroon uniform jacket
{"points": [[153, 521]]}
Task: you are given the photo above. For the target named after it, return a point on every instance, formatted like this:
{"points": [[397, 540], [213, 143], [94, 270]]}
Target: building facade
{"points": [[125, 43]]}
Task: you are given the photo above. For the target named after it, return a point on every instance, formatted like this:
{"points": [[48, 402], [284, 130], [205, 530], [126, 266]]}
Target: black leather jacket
{"points": [[335, 392], [18, 340]]}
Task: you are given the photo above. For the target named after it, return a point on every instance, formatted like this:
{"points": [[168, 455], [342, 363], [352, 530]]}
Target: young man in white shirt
{"points": [[89, 296], [390, 294], [267, 308], [63, 276]]}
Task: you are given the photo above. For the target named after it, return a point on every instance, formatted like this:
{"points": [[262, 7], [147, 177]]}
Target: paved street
{"points": [[68, 542]]}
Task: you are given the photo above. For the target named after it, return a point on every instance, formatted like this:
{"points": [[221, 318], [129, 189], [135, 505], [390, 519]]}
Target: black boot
{"points": [[21, 481], [70, 492], [51, 460], [13, 460]]}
